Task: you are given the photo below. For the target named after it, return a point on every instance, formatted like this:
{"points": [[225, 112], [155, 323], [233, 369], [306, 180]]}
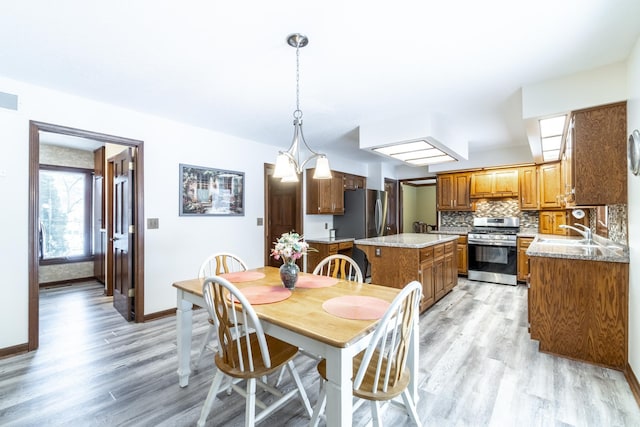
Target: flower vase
{"points": [[289, 274]]}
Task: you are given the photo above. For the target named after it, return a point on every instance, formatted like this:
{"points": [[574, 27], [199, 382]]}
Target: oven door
{"points": [[492, 263]]}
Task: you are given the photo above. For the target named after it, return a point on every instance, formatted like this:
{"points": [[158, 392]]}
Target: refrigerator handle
{"points": [[378, 217]]}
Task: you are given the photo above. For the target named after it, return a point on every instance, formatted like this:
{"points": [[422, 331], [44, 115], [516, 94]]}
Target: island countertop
{"points": [[408, 240]]}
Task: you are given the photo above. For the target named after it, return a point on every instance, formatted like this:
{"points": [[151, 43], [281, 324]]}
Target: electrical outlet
{"points": [[260, 221], [326, 225], [153, 223], [378, 252]]}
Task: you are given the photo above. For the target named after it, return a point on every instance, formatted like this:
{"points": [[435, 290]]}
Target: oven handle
{"points": [[490, 243]]}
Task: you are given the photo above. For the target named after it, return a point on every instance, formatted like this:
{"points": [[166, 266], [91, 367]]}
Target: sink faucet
{"points": [[585, 232]]}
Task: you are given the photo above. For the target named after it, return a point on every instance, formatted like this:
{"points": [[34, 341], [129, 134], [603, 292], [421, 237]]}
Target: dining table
{"points": [[328, 317]]}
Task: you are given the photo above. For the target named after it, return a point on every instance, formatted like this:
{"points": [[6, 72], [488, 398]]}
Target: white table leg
{"points": [[184, 321], [339, 388]]}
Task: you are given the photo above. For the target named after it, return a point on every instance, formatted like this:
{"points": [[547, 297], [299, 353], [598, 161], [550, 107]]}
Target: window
{"points": [[65, 214]]}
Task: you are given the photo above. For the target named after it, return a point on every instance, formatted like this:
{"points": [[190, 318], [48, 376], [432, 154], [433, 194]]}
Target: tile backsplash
{"points": [[617, 217]]}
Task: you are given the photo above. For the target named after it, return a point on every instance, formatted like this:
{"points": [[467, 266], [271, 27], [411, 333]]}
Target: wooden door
{"points": [[123, 217], [528, 188], [283, 211], [444, 188]]}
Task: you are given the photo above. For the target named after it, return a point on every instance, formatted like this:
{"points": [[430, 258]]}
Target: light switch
{"points": [[260, 221], [153, 223]]}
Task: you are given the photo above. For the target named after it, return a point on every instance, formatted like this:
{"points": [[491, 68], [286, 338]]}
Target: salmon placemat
{"points": [[264, 294], [315, 281], [356, 307], [242, 276]]}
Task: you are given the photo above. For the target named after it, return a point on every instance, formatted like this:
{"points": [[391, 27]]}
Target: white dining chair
{"points": [[380, 371], [339, 266], [214, 265], [246, 352]]}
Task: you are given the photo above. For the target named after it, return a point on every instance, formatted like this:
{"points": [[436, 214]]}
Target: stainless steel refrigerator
{"points": [[365, 215]]}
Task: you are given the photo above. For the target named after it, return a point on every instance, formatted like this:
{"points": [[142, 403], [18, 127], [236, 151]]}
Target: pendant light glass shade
{"points": [[289, 163]]}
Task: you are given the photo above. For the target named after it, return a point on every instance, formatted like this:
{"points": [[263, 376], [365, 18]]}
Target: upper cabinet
{"points": [[495, 183], [528, 183], [550, 185], [354, 182], [453, 192], [597, 156], [325, 196]]}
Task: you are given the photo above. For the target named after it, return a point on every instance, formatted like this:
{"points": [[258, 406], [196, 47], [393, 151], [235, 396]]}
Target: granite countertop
{"points": [[524, 232], [328, 240], [460, 231], [408, 240], [605, 250]]}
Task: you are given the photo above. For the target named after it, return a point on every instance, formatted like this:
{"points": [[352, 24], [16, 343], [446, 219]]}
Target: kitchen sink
{"points": [[568, 242]]}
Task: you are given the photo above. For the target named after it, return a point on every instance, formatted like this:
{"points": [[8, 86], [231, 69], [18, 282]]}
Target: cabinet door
{"points": [[462, 255], [550, 190], [545, 224], [528, 181], [559, 218], [523, 259], [426, 278], [450, 270], [505, 182], [599, 155], [444, 188], [482, 184], [461, 186], [439, 278], [337, 193]]}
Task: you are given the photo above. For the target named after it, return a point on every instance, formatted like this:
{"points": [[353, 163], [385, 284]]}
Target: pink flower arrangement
{"points": [[290, 247]]}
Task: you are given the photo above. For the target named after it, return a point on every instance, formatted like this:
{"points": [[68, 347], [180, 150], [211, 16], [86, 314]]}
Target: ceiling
{"points": [[226, 66]]}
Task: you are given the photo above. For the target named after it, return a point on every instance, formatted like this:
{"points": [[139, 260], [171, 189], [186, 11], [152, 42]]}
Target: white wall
{"points": [[173, 251], [633, 122]]}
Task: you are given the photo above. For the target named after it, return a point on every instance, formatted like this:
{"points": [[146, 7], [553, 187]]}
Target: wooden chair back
{"points": [[240, 335], [219, 263], [339, 266], [384, 362]]}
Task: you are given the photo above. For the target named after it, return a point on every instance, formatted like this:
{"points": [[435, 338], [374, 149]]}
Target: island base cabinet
{"points": [[579, 309], [433, 266]]}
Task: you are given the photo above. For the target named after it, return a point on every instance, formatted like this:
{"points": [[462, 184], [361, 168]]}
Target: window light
{"points": [[551, 136]]}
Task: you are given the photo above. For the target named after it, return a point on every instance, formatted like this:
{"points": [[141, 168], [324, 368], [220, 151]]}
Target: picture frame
{"points": [[206, 191]]}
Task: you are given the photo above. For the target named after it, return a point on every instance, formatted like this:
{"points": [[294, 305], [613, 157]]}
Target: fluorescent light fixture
{"points": [[416, 153], [551, 137]]}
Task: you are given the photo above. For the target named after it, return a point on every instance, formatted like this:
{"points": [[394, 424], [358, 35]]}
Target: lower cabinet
{"points": [[580, 309], [325, 249], [434, 266]]}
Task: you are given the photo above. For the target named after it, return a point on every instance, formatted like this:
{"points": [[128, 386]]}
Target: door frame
{"points": [[34, 201]]}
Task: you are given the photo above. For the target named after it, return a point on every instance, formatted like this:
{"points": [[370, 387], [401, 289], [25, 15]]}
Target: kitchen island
{"points": [[401, 258]]}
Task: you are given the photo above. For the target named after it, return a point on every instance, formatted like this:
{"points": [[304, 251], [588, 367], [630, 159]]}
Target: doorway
{"points": [[282, 210], [138, 230]]}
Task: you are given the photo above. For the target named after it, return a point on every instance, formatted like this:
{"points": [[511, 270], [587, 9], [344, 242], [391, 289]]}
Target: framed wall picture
{"points": [[210, 191]]}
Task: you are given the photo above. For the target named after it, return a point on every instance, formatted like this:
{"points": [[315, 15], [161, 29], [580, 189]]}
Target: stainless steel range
{"points": [[492, 250]]}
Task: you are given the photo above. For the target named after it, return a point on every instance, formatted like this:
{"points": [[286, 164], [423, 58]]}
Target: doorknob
{"points": [[113, 239]]}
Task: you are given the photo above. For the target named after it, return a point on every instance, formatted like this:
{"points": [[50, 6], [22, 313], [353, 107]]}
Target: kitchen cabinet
{"points": [[326, 248], [550, 185], [528, 186], [354, 182], [523, 259], [453, 192], [462, 255], [598, 156], [549, 222], [431, 263], [494, 183], [325, 196], [579, 309]]}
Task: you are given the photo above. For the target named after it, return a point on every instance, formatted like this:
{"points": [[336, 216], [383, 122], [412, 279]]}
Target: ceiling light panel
{"points": [[431, 160], [403, 148], [553, 126], [433, 152]]}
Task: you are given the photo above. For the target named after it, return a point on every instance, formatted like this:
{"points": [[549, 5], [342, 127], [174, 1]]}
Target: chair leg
{"points": [[280, 376], [213, 391], [301, 392], [411, 408], [320, 404], [203, 347], [375, 414], [250, 408]]}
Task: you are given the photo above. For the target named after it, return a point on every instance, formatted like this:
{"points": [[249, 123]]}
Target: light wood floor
{"points": [[478, 367]]}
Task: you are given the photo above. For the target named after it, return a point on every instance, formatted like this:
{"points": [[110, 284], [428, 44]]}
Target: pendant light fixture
{"points": [[289, 163]]}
